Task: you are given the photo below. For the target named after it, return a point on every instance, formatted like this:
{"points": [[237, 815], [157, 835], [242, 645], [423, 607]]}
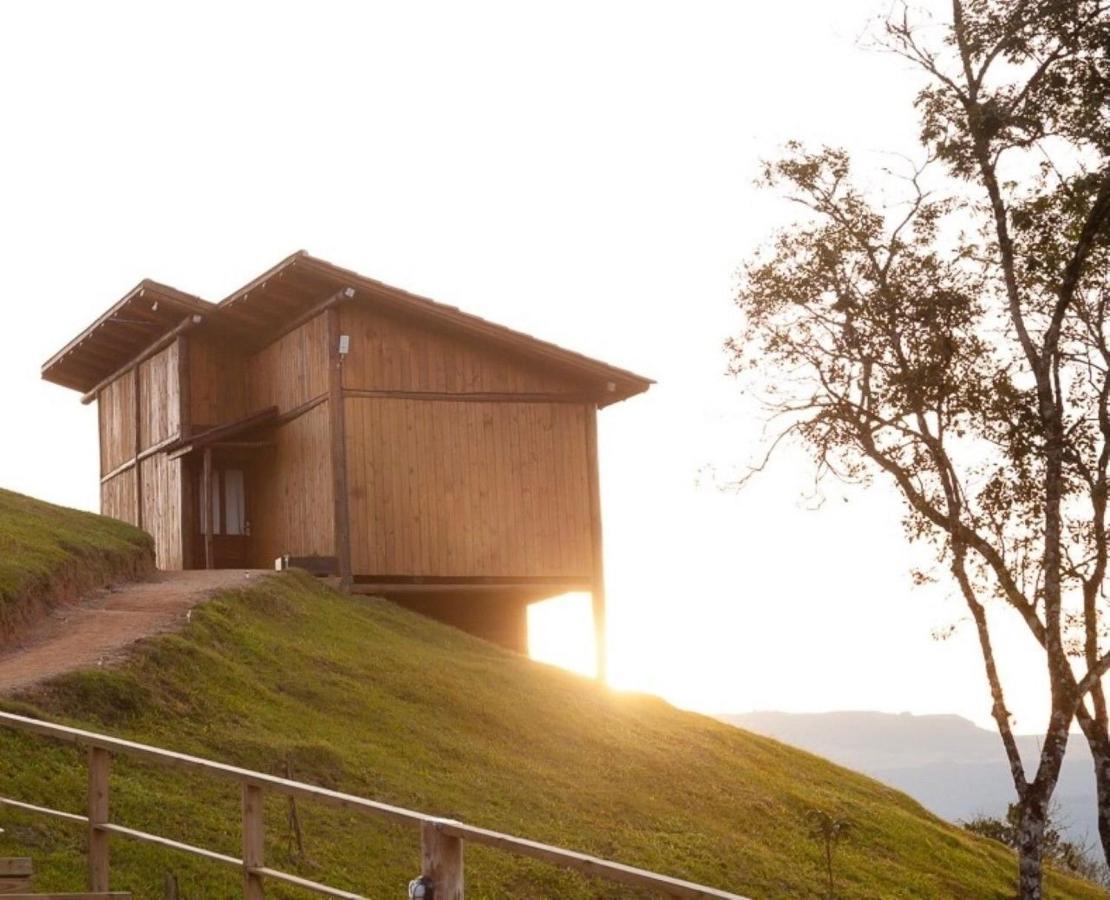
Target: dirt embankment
{"points": [[67, 584], [98, 628]]}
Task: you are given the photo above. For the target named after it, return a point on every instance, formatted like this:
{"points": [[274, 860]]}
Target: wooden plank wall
{"points": [[117, 423], [117, 497], [290, 492], [290, 485], [217, 381], [391, 354], [158, 420], [292, 370], [468, 488], [159, 405], [162, 508]]}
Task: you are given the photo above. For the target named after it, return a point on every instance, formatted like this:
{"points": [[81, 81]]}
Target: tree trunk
{"points": [[1034, 813], [1100, 752], [1098, 741]]}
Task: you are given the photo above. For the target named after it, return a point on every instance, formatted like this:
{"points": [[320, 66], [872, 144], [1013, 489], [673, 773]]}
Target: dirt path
{"points": [[99, 628]]}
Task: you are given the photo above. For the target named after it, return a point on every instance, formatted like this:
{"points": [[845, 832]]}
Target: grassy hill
{"points": [[362, 696], [49, 553]]}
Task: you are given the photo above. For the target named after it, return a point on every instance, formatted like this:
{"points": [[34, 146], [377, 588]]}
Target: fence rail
{"points": [[442, 839]]}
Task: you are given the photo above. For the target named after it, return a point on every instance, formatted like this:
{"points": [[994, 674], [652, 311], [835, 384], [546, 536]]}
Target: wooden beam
{"points": [[118, 470], [184, 387], [597, 590], [99, 764], [297, 411], [265, 416], [441, 861], [387, 588], [567, 582], [16, 867], [312, 312], [84, 895], [157, 347], [472, 396], [242, 445], [206, 507], [146, 454], [138, 446], [184, 429], [15, 875], [254, 823], [100, 437], [337, 422]]}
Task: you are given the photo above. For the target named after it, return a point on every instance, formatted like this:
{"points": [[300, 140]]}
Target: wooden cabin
{"points": [[418, 452]]}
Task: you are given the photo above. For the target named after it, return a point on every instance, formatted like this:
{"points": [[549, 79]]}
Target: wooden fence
{"points": [[441, 839]]}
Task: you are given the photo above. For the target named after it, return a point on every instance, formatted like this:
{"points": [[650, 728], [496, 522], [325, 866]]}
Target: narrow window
{"points": [[235, 514]]}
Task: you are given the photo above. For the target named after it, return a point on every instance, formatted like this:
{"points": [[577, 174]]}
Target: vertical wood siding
{"points": [[291, 492], [162, 508], [467, 488], [159, 402], [390, 354], [159, 419], [117, 423], [117, 497], [292, 370], [217, 381]]}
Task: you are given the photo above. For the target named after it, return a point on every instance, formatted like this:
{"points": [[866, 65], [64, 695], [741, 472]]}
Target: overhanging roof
{"points": [[128, 327], [264, 307]]}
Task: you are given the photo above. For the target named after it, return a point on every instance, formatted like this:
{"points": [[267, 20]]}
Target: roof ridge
{"points": [[264, 318]]}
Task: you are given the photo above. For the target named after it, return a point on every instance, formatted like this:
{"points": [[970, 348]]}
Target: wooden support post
{"points": [[597, 587], [100, 443], [99, 765], [337, 423], [254, 840], [188, 510], [517, 621], [138, 445], [184, 389], [441, 860], [206, 507]]}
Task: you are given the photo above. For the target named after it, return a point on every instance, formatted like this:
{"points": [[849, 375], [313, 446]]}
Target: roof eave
{"points": [[186, 303], [479, 327]]}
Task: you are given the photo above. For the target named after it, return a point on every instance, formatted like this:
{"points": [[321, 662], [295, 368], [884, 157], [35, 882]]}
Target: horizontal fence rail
{"points": [[441, 839]]}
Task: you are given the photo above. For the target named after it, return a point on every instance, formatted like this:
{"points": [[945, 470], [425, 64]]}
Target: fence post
{"points": [[99, 765], [441, 859], [253, 841]]}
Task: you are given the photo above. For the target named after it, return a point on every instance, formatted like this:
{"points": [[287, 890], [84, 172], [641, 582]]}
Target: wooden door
{"points": [[229, 517]]}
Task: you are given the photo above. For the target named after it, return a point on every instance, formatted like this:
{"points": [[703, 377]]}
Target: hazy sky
{"points": [[581, 171]]}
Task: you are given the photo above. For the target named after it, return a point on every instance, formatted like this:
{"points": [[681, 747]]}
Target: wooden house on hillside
{"points": [[436, 458]]}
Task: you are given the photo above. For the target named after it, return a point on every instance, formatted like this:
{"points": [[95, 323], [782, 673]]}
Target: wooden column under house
{"points": [[416, 451]]}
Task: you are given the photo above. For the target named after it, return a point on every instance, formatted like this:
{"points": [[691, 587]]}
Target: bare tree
{"points": [[954, 340], [828, 830]]}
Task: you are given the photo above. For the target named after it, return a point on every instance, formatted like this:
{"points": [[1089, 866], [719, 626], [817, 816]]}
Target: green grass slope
{"points": [[49, 553], [362, 696]]}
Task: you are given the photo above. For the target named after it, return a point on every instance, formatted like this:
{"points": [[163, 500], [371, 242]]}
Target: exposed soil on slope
{"points": [[98, 629]]}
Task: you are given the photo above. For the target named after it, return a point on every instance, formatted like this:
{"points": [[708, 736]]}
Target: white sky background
{"points": [[580, 171]]}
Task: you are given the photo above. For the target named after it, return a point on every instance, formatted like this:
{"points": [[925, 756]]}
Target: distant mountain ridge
{"points": [[947, 763]]}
